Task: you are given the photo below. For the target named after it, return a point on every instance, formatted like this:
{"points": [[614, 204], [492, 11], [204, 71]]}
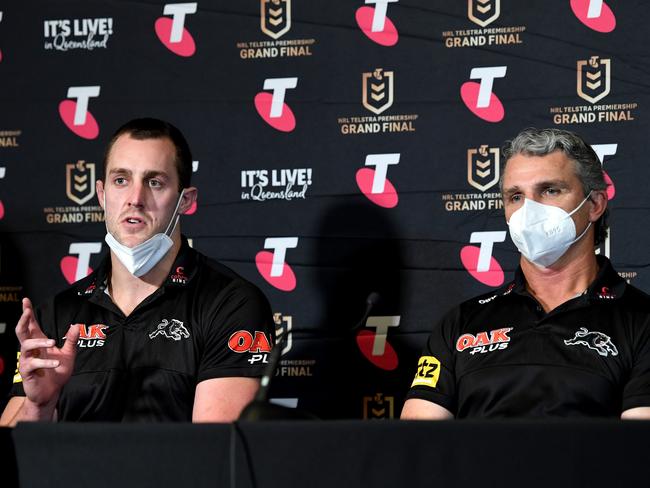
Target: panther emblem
{"points": [[597, 341], [171, 330]]}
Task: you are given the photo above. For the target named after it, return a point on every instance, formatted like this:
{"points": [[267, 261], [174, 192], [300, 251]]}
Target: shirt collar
{"points": [[181, 273], [608, 285]]}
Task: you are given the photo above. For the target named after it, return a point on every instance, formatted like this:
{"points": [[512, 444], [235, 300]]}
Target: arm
{"points": [[222, 399], [638, 413], [417, 409], [43, 367]]}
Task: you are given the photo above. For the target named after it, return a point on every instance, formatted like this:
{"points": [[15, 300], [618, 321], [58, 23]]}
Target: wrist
{"points": [[34, 412]]}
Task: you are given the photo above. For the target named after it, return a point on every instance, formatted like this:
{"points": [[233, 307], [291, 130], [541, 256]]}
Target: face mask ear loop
{"points": [[581, 204], [175, 217]]}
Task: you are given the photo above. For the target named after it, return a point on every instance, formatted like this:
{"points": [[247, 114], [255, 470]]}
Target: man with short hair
{"points": [[568, 337], [158, 332]]}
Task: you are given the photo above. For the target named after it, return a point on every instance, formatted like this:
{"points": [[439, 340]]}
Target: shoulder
{"points": [[217, 281]]}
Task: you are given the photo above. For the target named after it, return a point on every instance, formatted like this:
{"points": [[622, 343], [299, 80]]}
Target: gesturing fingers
{"points": [[32, 347], [33, 365]]}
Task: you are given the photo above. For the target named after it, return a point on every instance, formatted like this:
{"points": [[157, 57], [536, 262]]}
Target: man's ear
{"points": [[598, 201], [190, 195], [99, 190]]}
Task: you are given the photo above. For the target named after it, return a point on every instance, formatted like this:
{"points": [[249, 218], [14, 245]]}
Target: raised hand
{"points": [[44, 368]]}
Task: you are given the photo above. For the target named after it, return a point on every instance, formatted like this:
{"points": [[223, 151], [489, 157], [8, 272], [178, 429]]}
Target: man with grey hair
{"points": [[567, 337]]}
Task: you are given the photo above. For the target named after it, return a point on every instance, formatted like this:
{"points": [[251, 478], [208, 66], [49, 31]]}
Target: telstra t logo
{"points": [[478, 97], [374, 23], [77, 267], [172, 32], [75, 114], [478, 261], [271, 106], [595, 14], [373, 182], [375, 346], [273, 266]]}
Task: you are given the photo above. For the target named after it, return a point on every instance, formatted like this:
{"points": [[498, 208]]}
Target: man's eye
{"points": [[515, 198], [120, 181], [552, 191], [155, 184]]}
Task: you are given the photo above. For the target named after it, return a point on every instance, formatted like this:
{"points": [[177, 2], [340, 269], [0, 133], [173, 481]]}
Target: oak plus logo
{"points": [[74, 113], [92, 335], [478, 260], [275, 24], [172, 32], [79, 187], [77, 265], [277, 184], [272, 265], [73, 34], [379, 407], [483, 13], [374, 183], [595, 14], [483, 171], [271, 106], [256, 344], [375, 23], [593, 84], [479, 98], [374, 344], [377, 96], [484, 342]]}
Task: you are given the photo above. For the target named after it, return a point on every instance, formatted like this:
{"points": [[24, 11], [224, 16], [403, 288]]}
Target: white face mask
{"points": [[543, 233], [140, 259]]}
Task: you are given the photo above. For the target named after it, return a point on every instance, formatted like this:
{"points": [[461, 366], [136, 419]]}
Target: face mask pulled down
{"points": [[543, 233], [140, 259]]}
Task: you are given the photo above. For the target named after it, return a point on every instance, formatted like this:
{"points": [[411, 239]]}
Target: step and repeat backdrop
{"points": [[340, 148]]}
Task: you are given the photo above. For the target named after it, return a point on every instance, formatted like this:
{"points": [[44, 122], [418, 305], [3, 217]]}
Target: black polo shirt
{"points": [[204, 322], [501, 355]]}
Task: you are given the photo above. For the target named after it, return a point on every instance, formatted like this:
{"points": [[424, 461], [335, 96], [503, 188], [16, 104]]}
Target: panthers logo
{"points": [[597, 341], [171, 330]]}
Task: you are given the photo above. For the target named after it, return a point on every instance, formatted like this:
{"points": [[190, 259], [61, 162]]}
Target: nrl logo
{"points": [[597, 341], [275, 19], [174, 330], [483, 167], [80, 181], [377, 90], [483, 12], [594, 79], [283, 325], [378, 407]]}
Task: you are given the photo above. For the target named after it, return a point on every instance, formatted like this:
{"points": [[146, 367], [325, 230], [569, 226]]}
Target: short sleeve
{"points": [[237, 334], [435, 378], [636, 392]]}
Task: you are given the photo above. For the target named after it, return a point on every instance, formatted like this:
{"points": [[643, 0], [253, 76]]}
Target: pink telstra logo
{"points": [[478, 97], [172, 32], [595, 14], [75, 114], [271, 106], [374, 23], [273, 266], [374, 184], [478, 260]]}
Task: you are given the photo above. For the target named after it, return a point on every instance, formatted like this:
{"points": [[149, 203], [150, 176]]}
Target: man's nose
{"points": [[137, 195]]}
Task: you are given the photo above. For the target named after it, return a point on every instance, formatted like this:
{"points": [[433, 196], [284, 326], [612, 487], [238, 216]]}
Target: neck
{"points": [[570, 276], [128, 291]]}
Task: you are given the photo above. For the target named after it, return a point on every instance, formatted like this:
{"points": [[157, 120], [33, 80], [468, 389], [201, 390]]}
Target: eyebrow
{"points": [[147, 174], [538, 186]]}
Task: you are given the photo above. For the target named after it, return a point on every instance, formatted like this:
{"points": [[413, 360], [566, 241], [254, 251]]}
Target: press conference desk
{"points": [[334, 454]]}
